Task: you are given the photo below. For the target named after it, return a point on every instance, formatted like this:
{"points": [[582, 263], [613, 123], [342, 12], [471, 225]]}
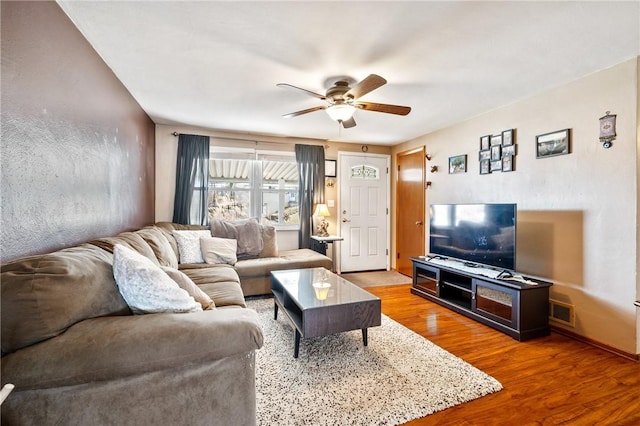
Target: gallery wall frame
{"points": [[553, 144], [484, 142], [507, 163], [507, 137], [498, 152], [485, 167]]}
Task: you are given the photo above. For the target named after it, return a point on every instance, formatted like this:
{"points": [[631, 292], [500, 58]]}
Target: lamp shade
{"points": [[341, 112], [322, 210]]}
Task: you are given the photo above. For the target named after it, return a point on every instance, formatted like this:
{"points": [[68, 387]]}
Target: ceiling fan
{"points": [[342, 100]]}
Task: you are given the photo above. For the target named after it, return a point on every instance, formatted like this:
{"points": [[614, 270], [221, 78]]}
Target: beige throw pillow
{"points": [[269, 240], [190, 287], [219, 250], [145, 287], [189, 245]]}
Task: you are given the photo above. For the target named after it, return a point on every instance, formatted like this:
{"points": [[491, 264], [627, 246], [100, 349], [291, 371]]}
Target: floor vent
{"points": [[562, 313]]}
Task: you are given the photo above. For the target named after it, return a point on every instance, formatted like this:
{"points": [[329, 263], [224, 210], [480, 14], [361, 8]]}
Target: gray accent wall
{"points": [[77, 151]]}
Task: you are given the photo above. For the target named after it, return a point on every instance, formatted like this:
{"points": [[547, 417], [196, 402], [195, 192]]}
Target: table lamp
{"points": [[323, 211]]}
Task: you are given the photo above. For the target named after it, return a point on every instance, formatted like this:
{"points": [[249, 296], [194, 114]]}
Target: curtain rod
{"points": [[247, 140]]}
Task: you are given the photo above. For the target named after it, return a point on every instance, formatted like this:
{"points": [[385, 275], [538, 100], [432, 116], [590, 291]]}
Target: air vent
{"points": [[562, 313]]}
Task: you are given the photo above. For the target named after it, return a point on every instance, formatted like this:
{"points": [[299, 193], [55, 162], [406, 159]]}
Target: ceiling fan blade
{"points": [[349, 123], [304, 111], [308, 92], [372, 82], [389, 109]]}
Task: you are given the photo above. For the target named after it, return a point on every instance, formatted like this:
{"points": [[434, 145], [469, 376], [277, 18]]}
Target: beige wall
{"points": [[578, 213], [166, 152]]}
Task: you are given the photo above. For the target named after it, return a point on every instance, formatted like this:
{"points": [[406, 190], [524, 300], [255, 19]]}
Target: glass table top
{"points": [[318, 287]]}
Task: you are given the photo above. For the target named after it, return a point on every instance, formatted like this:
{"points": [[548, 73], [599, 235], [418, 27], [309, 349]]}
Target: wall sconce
{"points": [[331, 183], [434, 169], [607, 129]]}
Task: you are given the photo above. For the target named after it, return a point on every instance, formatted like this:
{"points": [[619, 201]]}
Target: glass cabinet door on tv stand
{"points": [[496, 302]]}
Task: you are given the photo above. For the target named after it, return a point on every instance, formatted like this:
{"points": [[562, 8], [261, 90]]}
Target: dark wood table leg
{"points": [[275, 310], [364, 336], [296, 348]]}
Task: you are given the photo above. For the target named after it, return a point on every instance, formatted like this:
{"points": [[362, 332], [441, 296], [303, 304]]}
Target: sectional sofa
{"points": [[77, 354]]}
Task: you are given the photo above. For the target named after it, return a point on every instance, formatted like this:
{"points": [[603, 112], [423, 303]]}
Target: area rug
{"points": [[398, 377]]}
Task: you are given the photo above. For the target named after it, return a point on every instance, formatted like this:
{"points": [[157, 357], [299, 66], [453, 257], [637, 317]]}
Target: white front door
{"points": [[364, 211]]}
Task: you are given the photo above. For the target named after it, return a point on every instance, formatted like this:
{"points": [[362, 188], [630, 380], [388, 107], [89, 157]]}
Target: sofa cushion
{"points": [[247, 232], [290, 259], [269, 241], [109, 348], [185, 283], [189, 245], [219, 250], [127, 239], [44, 295], [159, 243], [221, 282], [226, 293], [147, 288]]}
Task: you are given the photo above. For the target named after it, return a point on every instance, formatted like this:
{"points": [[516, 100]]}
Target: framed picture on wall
{"points": [[458, 164], [330, 168], [507, 163], [496, 166], [554, 143], [484, 155], [508, 150], [496, 139], [485, 167], [507, 137], [496, 152], [484, 142]]}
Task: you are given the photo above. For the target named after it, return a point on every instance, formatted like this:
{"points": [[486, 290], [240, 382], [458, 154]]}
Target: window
{"points": [[245, 183]]}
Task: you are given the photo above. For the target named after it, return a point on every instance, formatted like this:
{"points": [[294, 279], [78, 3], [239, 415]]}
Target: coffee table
{"points": [[319, 303]]}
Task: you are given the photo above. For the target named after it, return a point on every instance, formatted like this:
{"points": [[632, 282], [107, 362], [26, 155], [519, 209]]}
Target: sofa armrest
{"points": [[108, 348]]}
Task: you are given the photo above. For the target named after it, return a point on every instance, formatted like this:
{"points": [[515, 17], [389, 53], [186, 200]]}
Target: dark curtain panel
{"points": [[192, 177], [310, 159]]}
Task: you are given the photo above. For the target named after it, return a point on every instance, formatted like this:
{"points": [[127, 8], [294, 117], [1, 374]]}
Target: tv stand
{"points": [[515, 305]]}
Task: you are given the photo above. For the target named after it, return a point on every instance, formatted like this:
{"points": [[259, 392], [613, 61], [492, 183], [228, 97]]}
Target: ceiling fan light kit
{"points": [[341, 112], [341, 100]]}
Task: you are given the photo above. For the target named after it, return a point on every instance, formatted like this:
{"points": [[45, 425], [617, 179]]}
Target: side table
{"points": [[331, 239]]}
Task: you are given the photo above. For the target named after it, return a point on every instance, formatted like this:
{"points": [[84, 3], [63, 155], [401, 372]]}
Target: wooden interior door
{"points": [[410, 208]]}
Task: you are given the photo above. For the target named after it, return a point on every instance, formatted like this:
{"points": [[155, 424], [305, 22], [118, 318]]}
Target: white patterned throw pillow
{"points": [[189, 245], [145, 287]]}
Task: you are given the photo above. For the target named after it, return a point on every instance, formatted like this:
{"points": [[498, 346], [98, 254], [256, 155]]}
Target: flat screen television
{"points": [[476, 233]]}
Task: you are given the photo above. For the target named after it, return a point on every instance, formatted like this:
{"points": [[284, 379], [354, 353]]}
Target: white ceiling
{"points": [[216, 64]]}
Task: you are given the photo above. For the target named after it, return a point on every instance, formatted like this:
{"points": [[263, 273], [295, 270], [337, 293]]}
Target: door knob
{"points": [[419, 222], [345, 220]]}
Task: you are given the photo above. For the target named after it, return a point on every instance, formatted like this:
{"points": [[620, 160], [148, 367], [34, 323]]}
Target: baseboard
{"points": [[599, 345]]}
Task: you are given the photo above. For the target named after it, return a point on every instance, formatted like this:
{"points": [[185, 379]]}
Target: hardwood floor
{"points": [[547, 381]]}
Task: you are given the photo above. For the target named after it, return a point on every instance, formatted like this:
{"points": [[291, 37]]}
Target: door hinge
{"points": [[387, 211], [398, 167], [398, 255], [387, 252]]}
